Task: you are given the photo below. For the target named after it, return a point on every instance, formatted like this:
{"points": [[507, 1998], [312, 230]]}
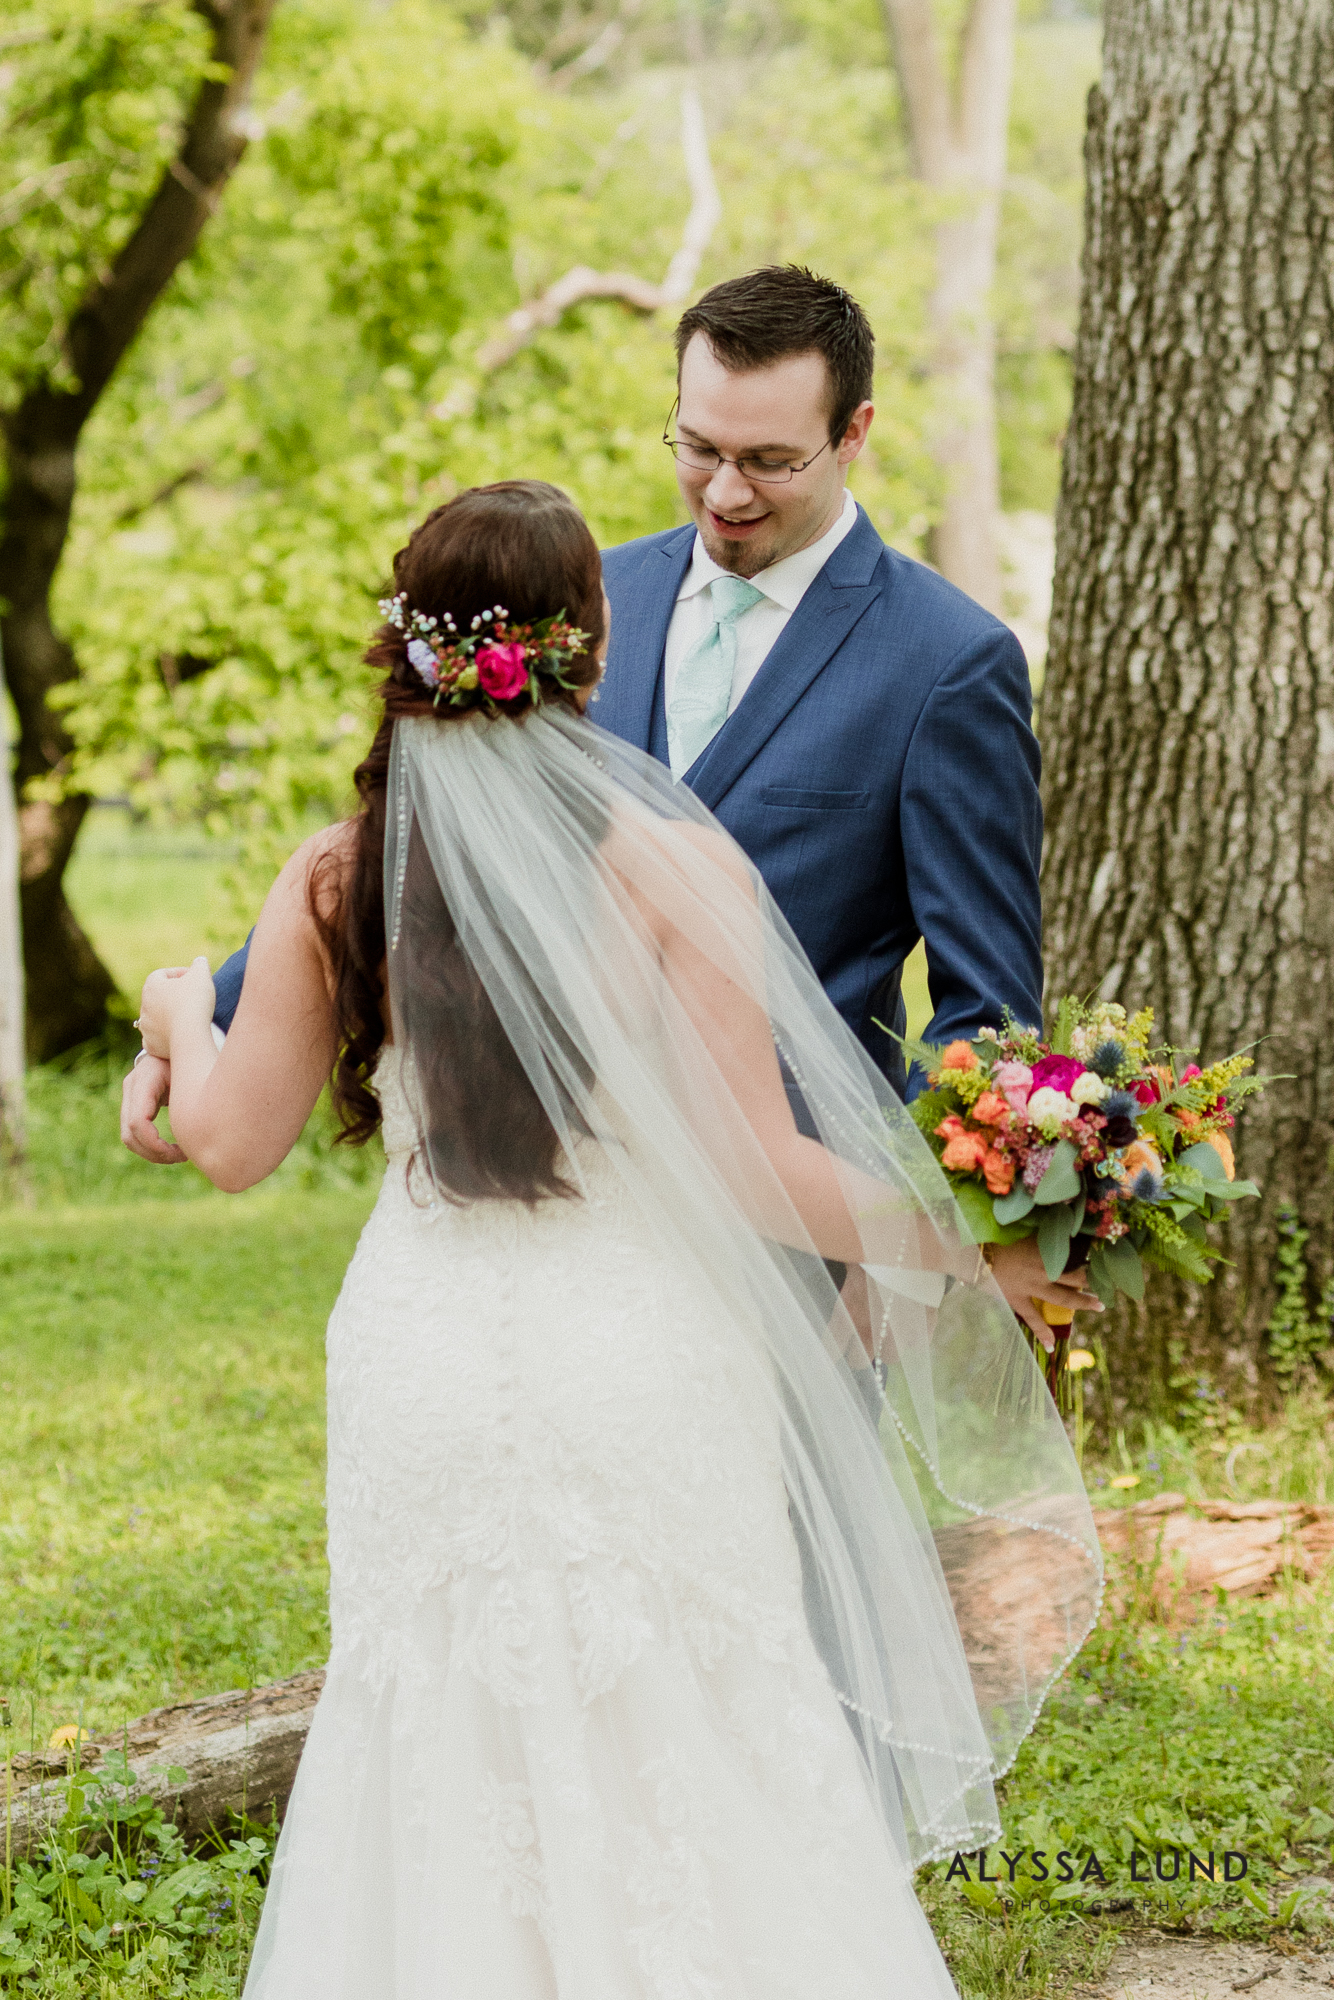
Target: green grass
{"points": [[162, 1530], [150, 897]]}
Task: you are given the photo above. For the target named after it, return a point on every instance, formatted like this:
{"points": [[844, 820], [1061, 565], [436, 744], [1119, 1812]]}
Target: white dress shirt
{"points": [[784, 585]]}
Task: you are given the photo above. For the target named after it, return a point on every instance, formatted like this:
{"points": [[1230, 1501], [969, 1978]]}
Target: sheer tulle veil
{"points": [[950, 1563]]}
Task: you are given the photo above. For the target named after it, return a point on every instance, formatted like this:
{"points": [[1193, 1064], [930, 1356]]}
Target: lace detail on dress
{"points": [[511, 1852]]}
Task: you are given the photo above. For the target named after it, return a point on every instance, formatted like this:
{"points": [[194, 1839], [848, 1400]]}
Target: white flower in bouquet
{"points": [[1089, 1089], [1049, 1110]]}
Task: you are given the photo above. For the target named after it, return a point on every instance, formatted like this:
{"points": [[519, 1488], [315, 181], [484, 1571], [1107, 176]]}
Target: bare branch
{"points": [[36, 189], [706, 208], [582, 282], [578, 284], [600, 50], [932, 140], [138, 508]]}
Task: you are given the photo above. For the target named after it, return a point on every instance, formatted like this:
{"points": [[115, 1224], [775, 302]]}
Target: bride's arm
{"points": [[238, 1111], [847, 1215]]}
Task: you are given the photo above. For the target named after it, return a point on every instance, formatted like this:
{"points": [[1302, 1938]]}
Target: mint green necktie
{"points": [[702, 688]]}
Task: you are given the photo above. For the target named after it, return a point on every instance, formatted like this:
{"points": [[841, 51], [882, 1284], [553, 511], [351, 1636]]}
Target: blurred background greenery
{"points": [[309, 385]]}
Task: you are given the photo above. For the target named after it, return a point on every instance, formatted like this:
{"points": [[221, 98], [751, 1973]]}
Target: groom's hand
{"points": [[146, 1089], [1019, 1271]]}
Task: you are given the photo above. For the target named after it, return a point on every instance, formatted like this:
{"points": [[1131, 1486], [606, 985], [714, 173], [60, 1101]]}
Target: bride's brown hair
{"points": [[523, 544]]}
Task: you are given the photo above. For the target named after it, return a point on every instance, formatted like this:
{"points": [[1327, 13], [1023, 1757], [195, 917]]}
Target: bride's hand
{"points": [[173, 999], [1019, 1271]]}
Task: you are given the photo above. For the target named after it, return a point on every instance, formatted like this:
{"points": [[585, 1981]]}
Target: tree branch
{"points": [[138, 508], [582, 282], [212, 144]]}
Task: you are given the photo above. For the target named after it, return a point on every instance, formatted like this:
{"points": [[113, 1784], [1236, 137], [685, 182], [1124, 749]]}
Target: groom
{"points": [[858, 725]]}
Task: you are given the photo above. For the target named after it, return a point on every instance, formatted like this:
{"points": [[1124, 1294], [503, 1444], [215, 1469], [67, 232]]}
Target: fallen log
{"points": [[1178, 1552], [238, 1752]]}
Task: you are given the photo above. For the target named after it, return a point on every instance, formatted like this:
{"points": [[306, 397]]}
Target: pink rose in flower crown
{"points": [[1056, 1073], [501, 671], [1014, 1080]]}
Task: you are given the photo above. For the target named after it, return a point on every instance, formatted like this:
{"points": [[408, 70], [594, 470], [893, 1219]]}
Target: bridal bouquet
{"points": [[1094, 1142]]}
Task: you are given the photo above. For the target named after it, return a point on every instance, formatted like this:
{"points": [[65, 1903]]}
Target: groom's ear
{"points": [[854, 437]]}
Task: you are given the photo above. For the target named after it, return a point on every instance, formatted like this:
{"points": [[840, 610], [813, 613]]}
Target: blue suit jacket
{"points": [[881, 772]]}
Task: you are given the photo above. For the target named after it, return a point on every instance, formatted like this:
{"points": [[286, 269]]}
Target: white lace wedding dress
{"points": [[575, 1742]]}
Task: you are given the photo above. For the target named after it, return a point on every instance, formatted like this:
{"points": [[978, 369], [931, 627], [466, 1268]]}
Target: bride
{"points": [[671, 1628]]}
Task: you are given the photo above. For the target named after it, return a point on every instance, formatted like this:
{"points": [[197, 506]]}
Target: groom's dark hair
{"points": [[782, 310]]}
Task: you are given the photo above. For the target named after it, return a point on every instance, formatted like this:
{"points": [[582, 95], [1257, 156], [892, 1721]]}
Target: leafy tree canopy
{"points": [[309, 386]]}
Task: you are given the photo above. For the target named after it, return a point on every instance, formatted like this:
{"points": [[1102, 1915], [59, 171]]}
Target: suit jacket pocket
{"points": [[802, 799]]}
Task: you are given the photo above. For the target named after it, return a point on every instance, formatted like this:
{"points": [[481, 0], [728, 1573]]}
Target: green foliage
{"points": [[94, 94], [398, 181], [1295, 1339], [162, 1378], [138, 1915], [308, 387]]}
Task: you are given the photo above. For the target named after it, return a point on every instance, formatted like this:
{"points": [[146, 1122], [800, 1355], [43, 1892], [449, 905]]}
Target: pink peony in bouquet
{"points": [[1094, 1142]]}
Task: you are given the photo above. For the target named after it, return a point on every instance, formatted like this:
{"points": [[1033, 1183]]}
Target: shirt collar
{"points": [[786, 582]]}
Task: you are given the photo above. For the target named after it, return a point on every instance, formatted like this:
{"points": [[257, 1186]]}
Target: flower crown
{"points": [[494, 662]]}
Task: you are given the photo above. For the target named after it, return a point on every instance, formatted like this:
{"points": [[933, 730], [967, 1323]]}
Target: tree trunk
{"points": [[1187, 715], [958, 146], [11, 973], [68, 986]]}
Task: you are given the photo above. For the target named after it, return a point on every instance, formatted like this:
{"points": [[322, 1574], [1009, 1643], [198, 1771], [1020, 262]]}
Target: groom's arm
{"points": [[971, 818], [227, 983]]}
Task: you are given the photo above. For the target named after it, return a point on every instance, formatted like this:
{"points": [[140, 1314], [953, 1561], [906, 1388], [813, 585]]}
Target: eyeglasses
{"points": [[759, 471]]}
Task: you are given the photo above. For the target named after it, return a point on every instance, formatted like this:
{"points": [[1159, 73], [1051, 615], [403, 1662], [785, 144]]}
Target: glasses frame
{"points": [[751, 479]]}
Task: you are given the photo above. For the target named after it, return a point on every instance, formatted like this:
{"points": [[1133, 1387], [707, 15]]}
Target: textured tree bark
{"points": [[11, 976], [958, 148], [68, 987], [1187, 715]]}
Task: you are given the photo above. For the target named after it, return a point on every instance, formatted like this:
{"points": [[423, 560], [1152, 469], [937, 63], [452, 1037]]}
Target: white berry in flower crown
{"points": [[494, 662]]}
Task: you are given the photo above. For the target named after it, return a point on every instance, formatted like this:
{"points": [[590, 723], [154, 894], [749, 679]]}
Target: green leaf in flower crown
{"points": [[1123, 1265], [1054, 1232], [1061, 1181], [1015, 1205]]}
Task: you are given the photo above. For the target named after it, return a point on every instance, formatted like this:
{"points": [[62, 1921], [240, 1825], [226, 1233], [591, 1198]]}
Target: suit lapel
{"points": [[641, 612], [852, 579]]}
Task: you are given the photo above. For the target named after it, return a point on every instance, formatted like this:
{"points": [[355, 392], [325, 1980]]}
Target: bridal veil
{"points": [[950, 1563]]}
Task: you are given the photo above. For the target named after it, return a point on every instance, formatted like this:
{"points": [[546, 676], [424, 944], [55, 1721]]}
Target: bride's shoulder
{"points": [[316, 875], [679, 841]]}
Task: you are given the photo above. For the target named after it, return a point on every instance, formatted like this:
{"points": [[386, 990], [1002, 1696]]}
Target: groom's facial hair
{"points": [[734, 410]]}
